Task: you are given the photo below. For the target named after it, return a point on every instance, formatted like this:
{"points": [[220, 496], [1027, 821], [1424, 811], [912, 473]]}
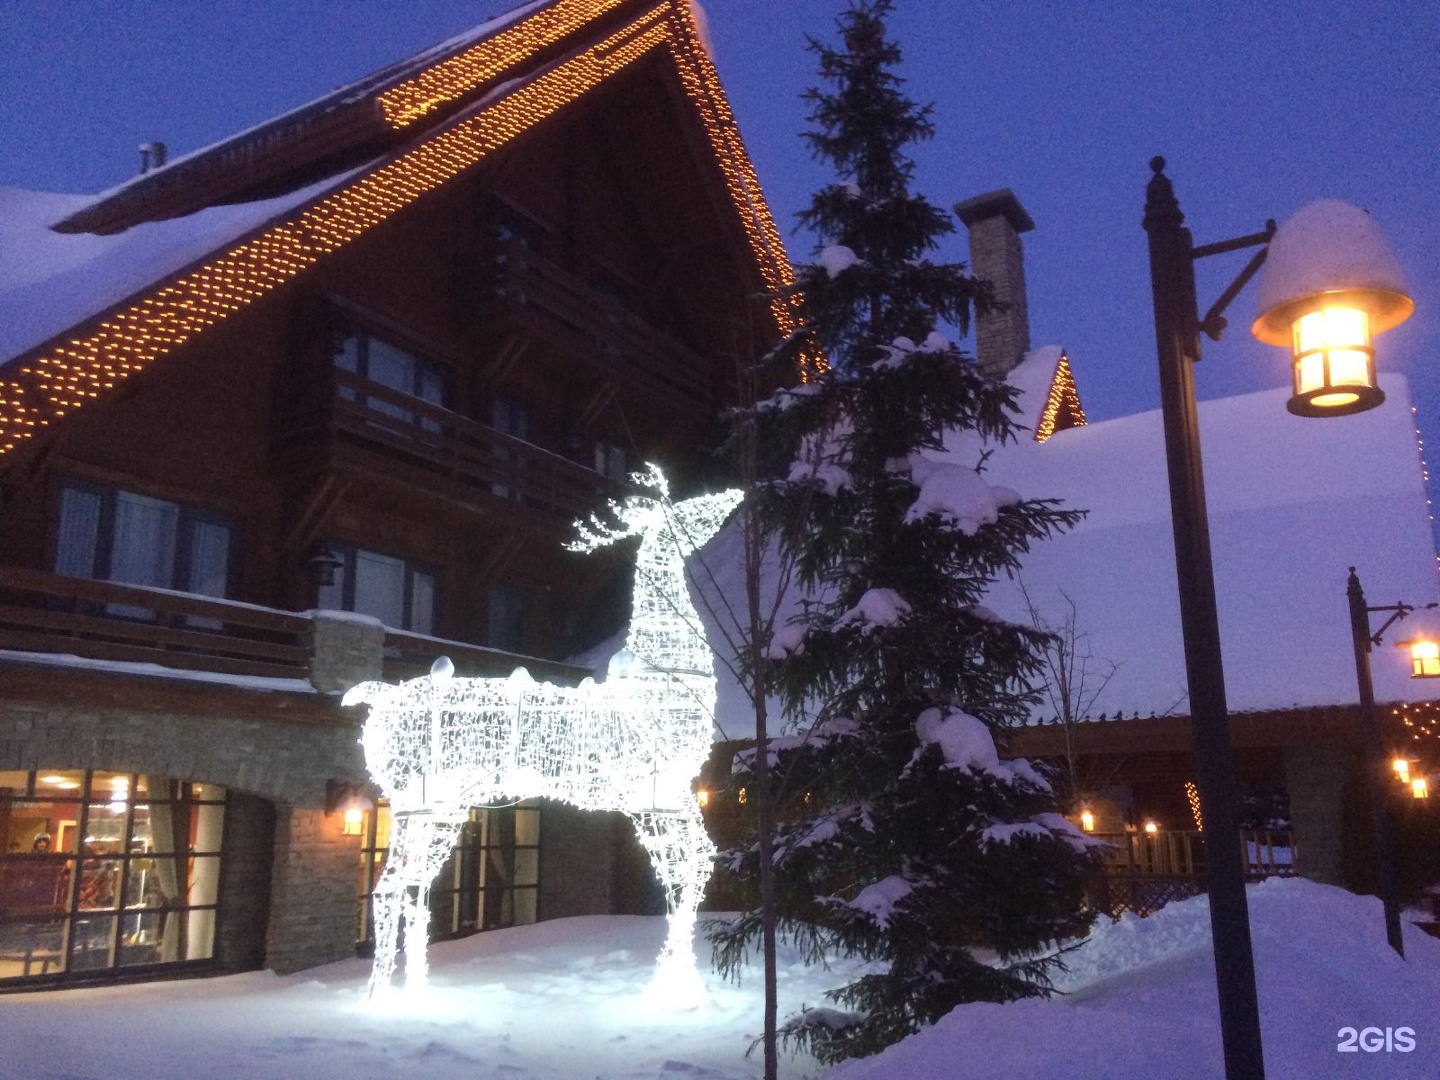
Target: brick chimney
{"points": [[996, 220]]}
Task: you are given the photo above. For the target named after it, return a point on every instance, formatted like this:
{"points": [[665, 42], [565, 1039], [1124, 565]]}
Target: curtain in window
{"points": [[143, 550], [79, 532], [209, 559], [169, 843], [380, 587]]}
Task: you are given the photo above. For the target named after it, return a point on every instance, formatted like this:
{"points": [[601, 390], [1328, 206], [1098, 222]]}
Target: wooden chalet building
{"points": [[317, 404]]}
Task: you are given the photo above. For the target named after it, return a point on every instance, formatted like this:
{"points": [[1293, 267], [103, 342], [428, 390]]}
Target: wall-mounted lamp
{"points": [[702, 798], [1420, 787], [350, 800], [1402, 769], [1087, 820], [1151, 828], [323, 565]]}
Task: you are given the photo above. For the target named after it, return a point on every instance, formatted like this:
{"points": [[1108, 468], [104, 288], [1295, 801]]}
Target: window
{"points": [[395, 368], [110, 534], [610, 461], [508, 618], [492, 879], [105, 871], [509, 417], [398, 592]]}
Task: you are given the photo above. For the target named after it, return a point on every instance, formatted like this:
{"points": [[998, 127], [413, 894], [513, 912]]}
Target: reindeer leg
{"points": [[386, 903], [683, 856], [431, 842]]}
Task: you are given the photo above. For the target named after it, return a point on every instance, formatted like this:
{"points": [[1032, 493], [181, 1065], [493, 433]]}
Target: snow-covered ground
{"points": [[568, 999]]}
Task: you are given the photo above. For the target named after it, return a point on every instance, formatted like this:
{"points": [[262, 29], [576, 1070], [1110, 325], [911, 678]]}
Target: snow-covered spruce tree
{"points": [[904, 838]]}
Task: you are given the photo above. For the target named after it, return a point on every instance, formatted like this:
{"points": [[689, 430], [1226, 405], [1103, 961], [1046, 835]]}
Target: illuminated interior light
{"points": [[438, 745], [1087, 820]]}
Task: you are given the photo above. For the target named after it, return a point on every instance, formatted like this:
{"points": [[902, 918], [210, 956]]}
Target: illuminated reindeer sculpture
{"points": [[439, 745]]}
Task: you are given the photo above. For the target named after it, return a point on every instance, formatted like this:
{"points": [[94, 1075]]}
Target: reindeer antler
{"points": [[635, 513]]}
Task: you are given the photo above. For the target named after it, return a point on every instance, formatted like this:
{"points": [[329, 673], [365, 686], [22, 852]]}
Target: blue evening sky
{"points": [[1259, 109]]}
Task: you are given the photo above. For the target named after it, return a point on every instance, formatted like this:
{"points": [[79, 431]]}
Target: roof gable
{"points": [[73, 368]]}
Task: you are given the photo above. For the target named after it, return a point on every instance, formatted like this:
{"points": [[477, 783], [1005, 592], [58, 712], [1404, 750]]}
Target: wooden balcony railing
{"points": [[102, 620], [442, 452], [596, 329], [1267, 853], [1145, 871]]}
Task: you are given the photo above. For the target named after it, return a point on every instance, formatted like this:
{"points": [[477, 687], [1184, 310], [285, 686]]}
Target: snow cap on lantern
{"points": [[1329, 284]]}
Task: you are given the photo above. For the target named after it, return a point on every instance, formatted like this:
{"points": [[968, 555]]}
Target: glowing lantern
{"points": [[1087, 821], [702, 797], [1329, 284], [354, 822], [1402, 769], [1424, 656], [1420, 787], [1151, 828]]}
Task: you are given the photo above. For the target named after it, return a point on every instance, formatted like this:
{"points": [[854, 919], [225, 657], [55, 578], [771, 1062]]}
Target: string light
{"points": [[70, 375], [1062, 407], [1192, 795], [438, 745]]}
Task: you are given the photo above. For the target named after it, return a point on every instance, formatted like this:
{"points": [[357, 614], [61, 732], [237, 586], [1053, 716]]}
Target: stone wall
{"points": [[289, 878], [312, 891]]}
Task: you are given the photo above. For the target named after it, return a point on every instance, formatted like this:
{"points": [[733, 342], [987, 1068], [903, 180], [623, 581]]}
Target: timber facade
{"points": [[352, 436]]}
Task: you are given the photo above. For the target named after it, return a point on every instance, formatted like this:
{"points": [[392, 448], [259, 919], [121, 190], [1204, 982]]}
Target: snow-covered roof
{"points": [[1293, 502]]}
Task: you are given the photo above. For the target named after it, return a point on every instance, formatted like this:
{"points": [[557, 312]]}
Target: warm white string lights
{"points": [[438, 745]]}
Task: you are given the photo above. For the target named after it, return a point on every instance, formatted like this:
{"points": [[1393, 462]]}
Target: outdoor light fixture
{"points": [[1424, 656], [349, 800], [1329, 285], [324, 564], [1330, 258], [1420, 787], [1151, 828], [1087, 820], [702, 798]]}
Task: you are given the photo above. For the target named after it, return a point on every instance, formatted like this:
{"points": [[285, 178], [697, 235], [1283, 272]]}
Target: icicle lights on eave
{"points": [[66, 377]]}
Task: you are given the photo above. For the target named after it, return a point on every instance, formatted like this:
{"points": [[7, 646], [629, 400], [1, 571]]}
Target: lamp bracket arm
{"points": [[1213, 324], [1399, 611]]}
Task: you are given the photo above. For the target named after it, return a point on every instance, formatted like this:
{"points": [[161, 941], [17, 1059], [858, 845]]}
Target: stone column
{"points": [[345, 649], [1316, 777]]}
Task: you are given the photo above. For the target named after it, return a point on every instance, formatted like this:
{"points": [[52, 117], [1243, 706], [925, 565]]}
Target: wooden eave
{"points": [[1332, 724]]}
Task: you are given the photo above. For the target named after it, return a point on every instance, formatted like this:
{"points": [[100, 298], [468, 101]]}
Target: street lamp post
{"points": [[1377, 765], [1177, 326], [1326, 309]]}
